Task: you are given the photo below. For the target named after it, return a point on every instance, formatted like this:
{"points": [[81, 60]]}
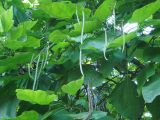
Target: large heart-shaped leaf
{"points": [[125, 99], [60, 10], [73, 87], [36, 97]]}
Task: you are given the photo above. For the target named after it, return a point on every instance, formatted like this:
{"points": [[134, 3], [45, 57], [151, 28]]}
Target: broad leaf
{"points": [[122, 39], [8, 101], [89, 26], [6, 20], [151, 54], [28, 41], [96, 115], [36, 97], [151, 90], [72, 87], [93, 77], [13, 62], [104, 10], [125, 99], [94, 44], [27, 115], [60, 10], [106, 68], [58, 36], [147, 72], [145, 12], [154, 108]]}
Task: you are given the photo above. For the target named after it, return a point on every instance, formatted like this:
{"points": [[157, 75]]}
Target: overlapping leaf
{"points": [[125, 99], [145, 12], [104, 10], [151, 90]]}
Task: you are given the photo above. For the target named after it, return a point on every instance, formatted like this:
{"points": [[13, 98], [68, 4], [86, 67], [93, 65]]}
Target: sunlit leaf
{"points": [[58, 36], [72, 87], [104, 10], [89, 26], [145, 12], [6, 20], [60, 10], [120, 40], [36, 97], [27, 115]]}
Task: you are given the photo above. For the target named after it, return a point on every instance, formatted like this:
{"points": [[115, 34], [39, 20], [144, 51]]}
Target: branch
{"points": [[90, 103]]}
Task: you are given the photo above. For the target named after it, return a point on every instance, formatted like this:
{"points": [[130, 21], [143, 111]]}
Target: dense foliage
{"points": [[79, 59]]}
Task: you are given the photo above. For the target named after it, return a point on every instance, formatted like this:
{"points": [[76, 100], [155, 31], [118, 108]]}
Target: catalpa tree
{"points": [[79, 59]]}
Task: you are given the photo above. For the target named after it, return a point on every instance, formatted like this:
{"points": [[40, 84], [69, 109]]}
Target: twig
{"points": [[90, 103]]}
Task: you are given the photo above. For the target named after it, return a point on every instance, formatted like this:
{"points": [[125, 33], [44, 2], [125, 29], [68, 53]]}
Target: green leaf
{"points": [[154, 108], [58, 36], [21, 29], [31, 42], [93, 77], [60, 10], [104, 10], [145, 12], [28, 41], [45, 1], [1, 8], [119, 41], [87, 12], [106, 68], [94, 43], [73, 87], [7, 79], [151, 22], [27, 115], [59, 46], [125, 99], [27, 25], [8, 101], [151, 54], [13, 62], [89, 26], [96, 115], [36, 97], [6, 20], [8, 108], [151, 90], [147, 72], [61, 115]]}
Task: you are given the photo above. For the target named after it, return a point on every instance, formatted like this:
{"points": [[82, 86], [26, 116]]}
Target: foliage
{"points": [[77, 59]]}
